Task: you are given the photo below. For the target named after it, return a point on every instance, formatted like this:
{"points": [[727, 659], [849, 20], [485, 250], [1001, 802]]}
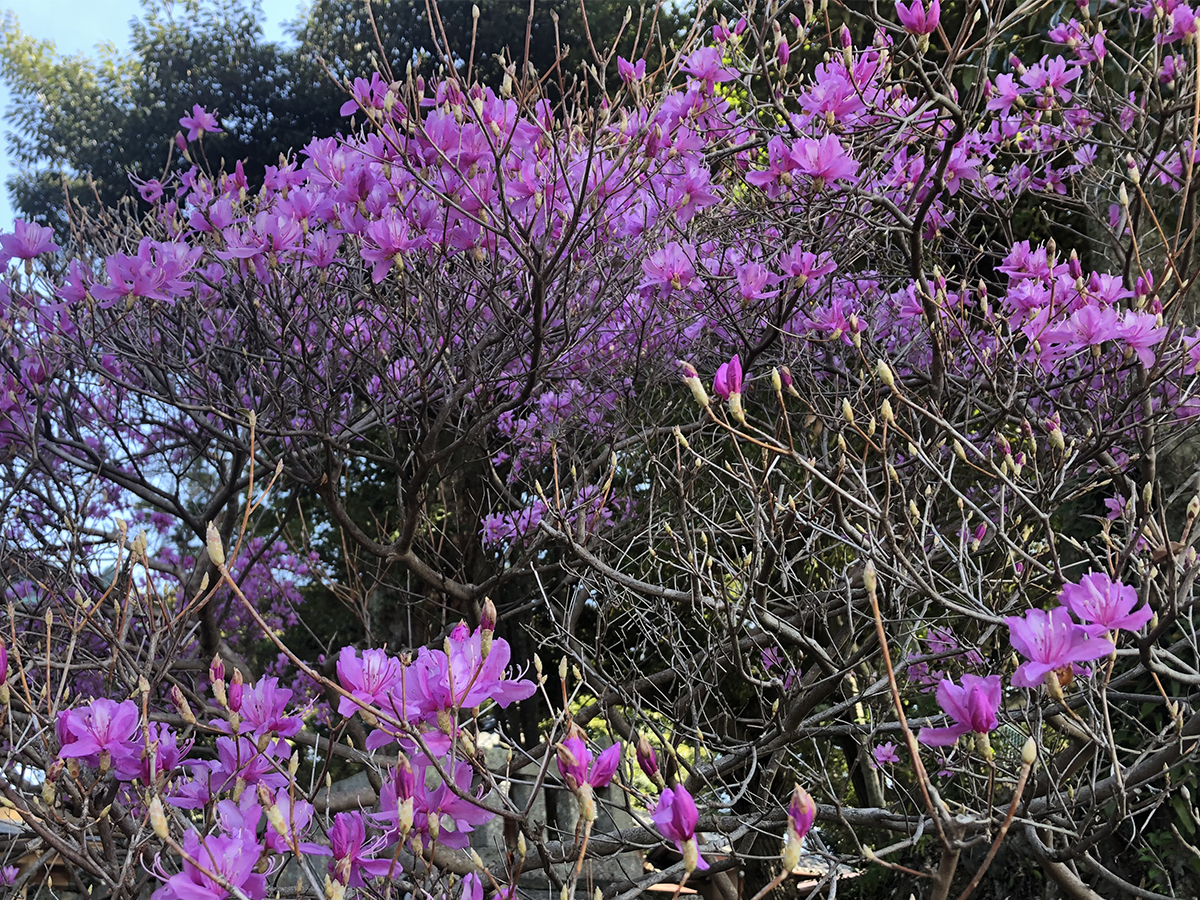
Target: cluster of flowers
{"points": [[428, 185], [251, 777], [259, 815], [1053, 645]]}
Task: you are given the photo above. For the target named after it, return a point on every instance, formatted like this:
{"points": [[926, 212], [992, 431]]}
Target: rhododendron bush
{"points": [[762, 449]]}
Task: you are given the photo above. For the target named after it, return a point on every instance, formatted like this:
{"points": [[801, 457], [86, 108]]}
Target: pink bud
{"points": [[406, 783], [216, 669], [801, 813], [236, 689], [647, 758]]}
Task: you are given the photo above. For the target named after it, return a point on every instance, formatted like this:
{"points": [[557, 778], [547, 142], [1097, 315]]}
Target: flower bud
{"points": [[735, 408], [216, 550], [236, 689], [487, 626], [884, 373], [181, 705], [648, 759], [1029, 752], [870, 578], [692, 378], [158, 818]]}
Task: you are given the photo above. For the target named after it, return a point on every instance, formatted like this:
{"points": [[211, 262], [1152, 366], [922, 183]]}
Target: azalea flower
{"points": [[728, 380], [231, 857], [101, 733], [631, 72], [1050, 641], [885, 754], [825, 160], [802, 812], [728, 384], [370, 679], [676, 817], [199, 122], [918, 20], [577, 768], [972, 706], [1105, 605], [353, 854], [27, 241]]}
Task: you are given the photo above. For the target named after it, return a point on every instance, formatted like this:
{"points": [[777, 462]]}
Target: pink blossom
{"points": [[201, 121], [354, 855], [706, 64], [825, 160], [577, 768], [1050, 641], [370, 679], [231, 857], [802, 812], [1105, 605], [885, 754], [631, 72], [972, 706], [465, 678], [676, 818], [728, 380], [917, 19], [104, 731], [671, 267], [27, 241]]}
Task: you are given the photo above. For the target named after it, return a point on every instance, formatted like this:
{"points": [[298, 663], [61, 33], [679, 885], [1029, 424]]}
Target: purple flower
{"points": [[1050, 641], [201, 121], [27, 241], [705, 64], [671, 266], [916, 19], [353, 854], [3, 662], [101, 733], [972, 706], [1104, 605], [728, 380], [465, 678], [631, 72], [576, 766], [826, 160], [675, 817], [164, 759], [472, 887], [370, 679], [263, 708], [232, 857], [885, 754]]}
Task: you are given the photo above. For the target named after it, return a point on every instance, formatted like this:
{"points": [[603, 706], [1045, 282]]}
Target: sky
{"points": [[79, 26]]}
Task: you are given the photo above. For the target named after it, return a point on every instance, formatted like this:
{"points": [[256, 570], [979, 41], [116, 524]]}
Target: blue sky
{"points": [[79, 26]]}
